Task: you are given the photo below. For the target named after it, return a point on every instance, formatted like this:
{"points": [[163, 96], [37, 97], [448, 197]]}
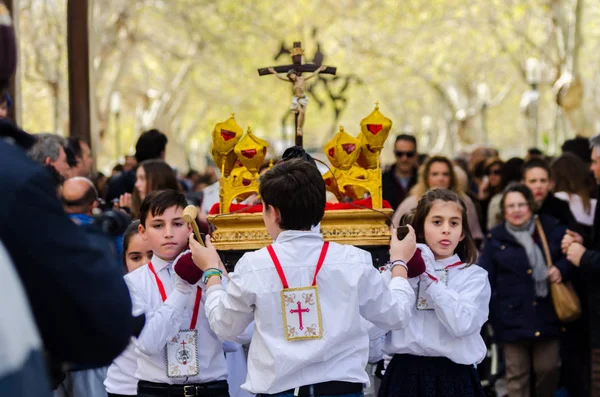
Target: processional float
{"points": [[354, 174]]}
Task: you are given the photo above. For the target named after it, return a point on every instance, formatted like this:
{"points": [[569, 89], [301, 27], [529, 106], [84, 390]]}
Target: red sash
{"points": [[280, 269], [163, 295]]}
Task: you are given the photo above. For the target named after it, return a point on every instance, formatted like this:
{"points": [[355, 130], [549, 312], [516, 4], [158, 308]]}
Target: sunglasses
{"points": [[495, 172], [408, 155]]}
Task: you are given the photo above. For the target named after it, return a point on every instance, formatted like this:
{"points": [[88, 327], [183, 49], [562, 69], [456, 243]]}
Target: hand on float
{"points": [[403, 249]]}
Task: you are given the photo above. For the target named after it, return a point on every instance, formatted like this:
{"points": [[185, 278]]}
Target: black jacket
{"points": [[77, 294], [560, 210], [515, 312], [120, 184], [393, 192]]}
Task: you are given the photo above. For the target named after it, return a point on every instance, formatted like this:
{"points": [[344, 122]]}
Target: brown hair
{"points": [[159, 176], [571, 175], [297, 189], [466, 249], [422, 185], [517, 187], [158, 201]]}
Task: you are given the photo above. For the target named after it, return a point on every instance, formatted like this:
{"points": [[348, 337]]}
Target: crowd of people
{"points": [[106, 292]]}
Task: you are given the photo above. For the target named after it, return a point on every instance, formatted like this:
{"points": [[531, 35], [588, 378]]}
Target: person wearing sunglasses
{"points": [[491, 185], [402, 176]]}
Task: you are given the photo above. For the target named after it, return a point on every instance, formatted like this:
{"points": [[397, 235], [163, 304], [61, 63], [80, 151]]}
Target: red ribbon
{"points": [[163, 295], [280, 269]]}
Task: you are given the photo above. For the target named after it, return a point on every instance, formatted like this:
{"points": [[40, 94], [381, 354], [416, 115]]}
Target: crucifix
{"points": [[294, 76], [300, 311]]}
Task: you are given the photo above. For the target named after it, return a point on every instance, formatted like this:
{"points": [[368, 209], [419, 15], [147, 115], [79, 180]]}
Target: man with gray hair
{"points": [[49, 150], [588, 260]]}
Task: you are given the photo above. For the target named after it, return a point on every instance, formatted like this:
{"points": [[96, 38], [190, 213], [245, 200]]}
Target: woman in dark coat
{"points": [[521, 309]]}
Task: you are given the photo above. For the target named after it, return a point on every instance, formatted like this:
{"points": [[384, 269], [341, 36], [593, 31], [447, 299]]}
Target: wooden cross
{"points": [[299, 67], [300, 311]]}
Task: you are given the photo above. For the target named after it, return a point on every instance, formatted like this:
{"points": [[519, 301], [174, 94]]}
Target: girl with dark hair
{"points": [[522, 312], [512, 171], [120, 379], [436, 354]]}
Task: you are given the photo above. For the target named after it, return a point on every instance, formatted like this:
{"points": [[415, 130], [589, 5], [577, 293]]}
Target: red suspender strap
{"points": [[321, 260], [163, 295], [159, 284], [196, 308], [280, 269], [278, 266]]}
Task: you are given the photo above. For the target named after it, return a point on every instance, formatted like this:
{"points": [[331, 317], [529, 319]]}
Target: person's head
{"points": [[151, 145], [154, 175], [83, 155], [534, 153], [405, 150], [493, 170], [440, 221], [579, 146], [79, 196], [116, 170], [130, 163], [162, 225], [436, 173], [595, 166], [49, 149], [136, 251], [293, 195], [537, 177], [571, 175], [292, 75], [512, 171], [480, 153], [517, 204], [5, 103]]}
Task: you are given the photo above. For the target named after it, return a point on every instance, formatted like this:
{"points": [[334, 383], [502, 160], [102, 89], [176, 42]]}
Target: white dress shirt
{"points": [[350, 289], [165, 319], [120, 378], [452, 329]]}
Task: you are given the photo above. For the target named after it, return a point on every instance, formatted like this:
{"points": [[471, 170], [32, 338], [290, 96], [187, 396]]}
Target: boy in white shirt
{"points": [[178, 352], [307, 297]]}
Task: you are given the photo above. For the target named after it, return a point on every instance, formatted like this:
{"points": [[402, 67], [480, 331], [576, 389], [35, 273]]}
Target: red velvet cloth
{"points": [[187, 269], [416, 265], [250, 209]]}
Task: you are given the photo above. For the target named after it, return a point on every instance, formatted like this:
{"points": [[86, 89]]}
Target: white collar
{"points": [[288, 235], [449, 261], [159, 264]]}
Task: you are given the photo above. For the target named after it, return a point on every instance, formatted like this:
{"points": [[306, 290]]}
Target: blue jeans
{"points": [[285, 394]]}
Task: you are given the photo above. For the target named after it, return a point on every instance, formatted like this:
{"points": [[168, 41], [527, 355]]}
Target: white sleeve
{"points": [[389, 308], [230, 311], [161, 324], [462, 313]]}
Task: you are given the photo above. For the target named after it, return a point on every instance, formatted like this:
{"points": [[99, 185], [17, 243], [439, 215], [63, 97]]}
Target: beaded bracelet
{"points": [[397, 262], [208, 273]]}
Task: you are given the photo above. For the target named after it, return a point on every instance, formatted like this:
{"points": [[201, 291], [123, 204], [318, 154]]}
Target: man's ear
{"points": [[47, 161], [142, 232]]}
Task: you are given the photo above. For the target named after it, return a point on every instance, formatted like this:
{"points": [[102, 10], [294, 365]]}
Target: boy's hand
{"points": [[403, 249], [204, 257]]}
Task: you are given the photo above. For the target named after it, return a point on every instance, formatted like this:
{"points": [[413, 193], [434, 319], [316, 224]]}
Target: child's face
{"points": [[443, 228], [167, 234], [3, 110], [138, 253]]}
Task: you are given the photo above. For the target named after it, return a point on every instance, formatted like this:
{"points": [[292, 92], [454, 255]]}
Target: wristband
{"points": [[398, 262], [208, 273]]}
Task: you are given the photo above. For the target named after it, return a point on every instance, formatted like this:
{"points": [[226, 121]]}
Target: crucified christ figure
{"points": [[299, 99]]}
